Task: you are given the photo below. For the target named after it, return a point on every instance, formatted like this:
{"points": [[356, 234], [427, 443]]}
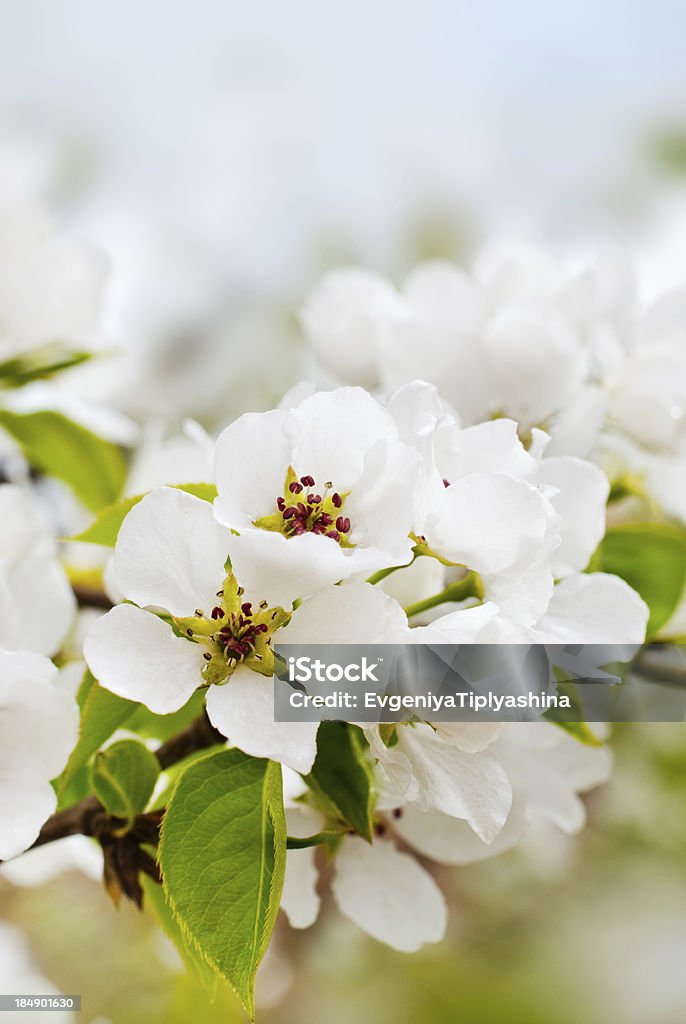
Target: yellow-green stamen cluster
{"points": [[306, 508], [235, 632]]}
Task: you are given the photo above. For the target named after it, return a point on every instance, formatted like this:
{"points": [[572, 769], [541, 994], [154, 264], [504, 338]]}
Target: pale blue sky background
{"points": [[254, 127]]}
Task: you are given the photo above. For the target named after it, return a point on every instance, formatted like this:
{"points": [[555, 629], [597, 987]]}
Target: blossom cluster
{"points": [[564, 344], [447, 483]]}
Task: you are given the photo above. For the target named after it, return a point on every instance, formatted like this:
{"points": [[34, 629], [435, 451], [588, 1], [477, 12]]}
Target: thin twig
{"points": [[88, 817]]}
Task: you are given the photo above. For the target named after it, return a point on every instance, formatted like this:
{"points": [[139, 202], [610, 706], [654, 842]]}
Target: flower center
{"points": [[306, 507], [235, 631]]}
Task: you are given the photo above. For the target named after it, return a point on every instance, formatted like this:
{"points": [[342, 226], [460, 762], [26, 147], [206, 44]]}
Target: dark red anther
{"points": [[307, 480], [262, 628], [337, 500], [295, 487], [246, 608], [334, 535], [346, 525], [325, 519], [446, 483], [289, 512], [218, 613], [281, 504], [340, 524], [302, 508]]}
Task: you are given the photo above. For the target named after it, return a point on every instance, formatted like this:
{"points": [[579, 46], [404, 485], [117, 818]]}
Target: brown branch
{"points": [[89, 818], [91, 597], [199, 735]]}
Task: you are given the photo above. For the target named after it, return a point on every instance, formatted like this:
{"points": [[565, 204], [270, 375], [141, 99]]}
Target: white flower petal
{"points": [[250, 466], [491, 522], [340, 320], [39, 722], [243, 711], [281, 569], [417, 409], [449, 840], [492, 447], [548, 769], [470, 786], [37, 606], [170, 553], [136, 655], [463, 626], [334, 430], [388, 895], [43, 601], [575, 428], [300, 899], [442, 290], [665, 482], [355, 613], [423, 578], [469, 736], [515, 269], [583, 490], [594, 608], [26, 802], [522, 593], [382, 506], [535, 349]]}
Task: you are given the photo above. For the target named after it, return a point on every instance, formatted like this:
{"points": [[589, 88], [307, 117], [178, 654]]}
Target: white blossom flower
{"points": [[50, 285], [317, 493], [539, 773], [171, 557], [546, 769], [37, 605], [517, 519], [384, 891], [159, 461], [449, 768], [555, 343], [38, 728], [340, 320], [388, 894]]}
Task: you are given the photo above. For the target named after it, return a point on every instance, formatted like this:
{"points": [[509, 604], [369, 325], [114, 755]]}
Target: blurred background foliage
{"points": [[223, 155], [556, 931]]}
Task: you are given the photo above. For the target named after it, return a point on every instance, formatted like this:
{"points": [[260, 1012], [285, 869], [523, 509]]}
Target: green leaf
{"points": [[92, 467], [342, 775], [223, 859], [39, 364], [330, 836], [105, 529], [651, 557], [163, 913], [572, 719], [149, 725], [580, 731], [102, 713], [123, 778]]}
